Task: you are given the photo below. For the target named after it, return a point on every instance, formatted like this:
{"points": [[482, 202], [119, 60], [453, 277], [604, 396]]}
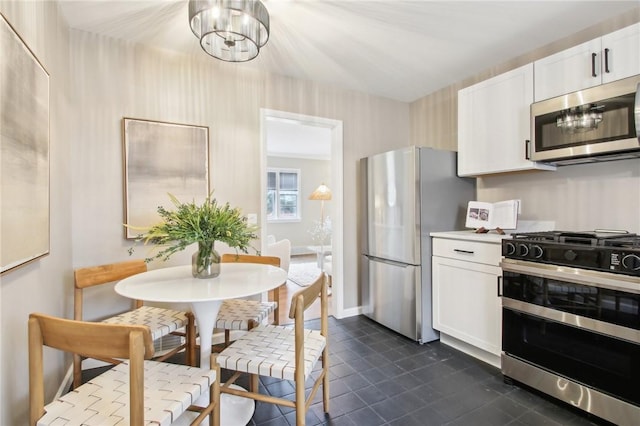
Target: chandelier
{"points": [[230, 30]]}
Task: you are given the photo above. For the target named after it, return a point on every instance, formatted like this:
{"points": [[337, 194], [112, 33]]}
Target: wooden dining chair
{"points": [[161, 321], [243, 314], [134, 392], [284, 353]]}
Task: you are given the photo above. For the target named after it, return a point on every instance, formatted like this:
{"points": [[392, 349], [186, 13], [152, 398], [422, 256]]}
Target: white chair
{"points": [[281, 249], [284, 353], [135, 392], [327, 269], [243, 314], [162, 321]]}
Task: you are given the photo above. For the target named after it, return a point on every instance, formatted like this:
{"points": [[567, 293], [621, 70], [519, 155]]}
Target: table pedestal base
{"points": [[234, 411]]}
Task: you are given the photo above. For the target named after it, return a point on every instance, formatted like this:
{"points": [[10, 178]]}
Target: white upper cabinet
{"points": [[567, 71], [608, 58], [621, 54], [494, 124]]}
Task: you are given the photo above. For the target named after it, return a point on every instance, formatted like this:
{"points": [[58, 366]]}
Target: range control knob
{"points": [[537, 251], [570, 255], [523, 250], [631, 261], [510, 249]]}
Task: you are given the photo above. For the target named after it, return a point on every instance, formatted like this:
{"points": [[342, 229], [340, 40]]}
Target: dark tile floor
{"points": [[381, 378], [378, 377]]}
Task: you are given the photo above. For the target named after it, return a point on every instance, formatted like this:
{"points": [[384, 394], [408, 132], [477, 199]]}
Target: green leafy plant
{"points": [[204, 224]]}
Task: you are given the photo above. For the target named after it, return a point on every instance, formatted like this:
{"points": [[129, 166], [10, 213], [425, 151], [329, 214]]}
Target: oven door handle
{"points": [[573, 320], [611, 281]]}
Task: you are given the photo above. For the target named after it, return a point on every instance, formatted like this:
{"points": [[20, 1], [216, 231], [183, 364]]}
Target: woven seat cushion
{"points": [[161, 321], [269, 350], [235, 314], [169, 390]]}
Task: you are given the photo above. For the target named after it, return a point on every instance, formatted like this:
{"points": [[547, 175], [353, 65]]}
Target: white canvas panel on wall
{"points": [[161, 158], [24, 152]]}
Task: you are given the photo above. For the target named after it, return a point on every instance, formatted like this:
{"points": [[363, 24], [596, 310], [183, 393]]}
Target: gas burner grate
{"points": [[592, 238], [631, 243]]}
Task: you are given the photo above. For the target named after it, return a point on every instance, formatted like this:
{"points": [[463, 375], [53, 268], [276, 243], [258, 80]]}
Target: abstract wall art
{"points": [[161, 158], [24, 152]]}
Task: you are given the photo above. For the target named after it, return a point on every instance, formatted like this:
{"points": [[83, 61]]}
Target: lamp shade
{"points": [[321, 193]]}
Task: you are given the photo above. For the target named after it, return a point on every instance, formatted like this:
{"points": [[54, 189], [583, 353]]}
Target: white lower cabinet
{"points": [[466, 304]]}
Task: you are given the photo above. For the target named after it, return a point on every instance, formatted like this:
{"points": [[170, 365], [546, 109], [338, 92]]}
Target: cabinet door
{"points": [[621, 54], [568, 71], [466, 303], [494, 124]]}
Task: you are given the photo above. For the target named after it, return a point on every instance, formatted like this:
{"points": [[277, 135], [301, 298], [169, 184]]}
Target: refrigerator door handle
{"points": [[387, 261]]}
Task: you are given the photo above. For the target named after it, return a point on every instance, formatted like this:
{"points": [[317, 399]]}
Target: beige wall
{"points": [[312, 174], [113, 79], [44, 285], [578, 198]]}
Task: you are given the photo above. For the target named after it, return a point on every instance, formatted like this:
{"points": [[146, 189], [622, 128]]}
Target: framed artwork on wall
{"points": [[161, 158], [24, 152]]}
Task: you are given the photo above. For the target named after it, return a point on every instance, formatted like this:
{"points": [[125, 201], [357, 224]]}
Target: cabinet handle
{"points": [[606, 60], [463, 251], [527, 149], [593, 65], [499, 289]]}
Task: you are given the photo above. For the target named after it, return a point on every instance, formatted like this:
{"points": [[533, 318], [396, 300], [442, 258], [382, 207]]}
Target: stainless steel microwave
{"points": [[596, 124]]}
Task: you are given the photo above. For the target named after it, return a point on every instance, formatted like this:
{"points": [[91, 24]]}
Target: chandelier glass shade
{"points": [[230, 30]]}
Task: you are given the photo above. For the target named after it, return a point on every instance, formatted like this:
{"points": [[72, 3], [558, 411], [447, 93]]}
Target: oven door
{"points": [[587, 332]]}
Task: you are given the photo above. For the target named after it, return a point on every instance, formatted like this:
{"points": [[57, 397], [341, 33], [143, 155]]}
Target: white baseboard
{"points": [[351, 312]]}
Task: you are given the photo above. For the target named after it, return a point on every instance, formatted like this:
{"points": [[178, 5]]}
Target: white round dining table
{"points": [[177, 285]]}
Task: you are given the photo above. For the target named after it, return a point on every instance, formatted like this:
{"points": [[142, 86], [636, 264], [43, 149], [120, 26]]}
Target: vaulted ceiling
{"points": [[398, 49]]}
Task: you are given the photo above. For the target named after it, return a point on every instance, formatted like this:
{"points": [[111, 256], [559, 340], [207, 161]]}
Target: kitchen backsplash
{"points": [[580, 197]]}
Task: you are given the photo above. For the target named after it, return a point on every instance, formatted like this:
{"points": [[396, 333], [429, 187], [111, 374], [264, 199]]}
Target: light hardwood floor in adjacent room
{"points": [[286, 291]]}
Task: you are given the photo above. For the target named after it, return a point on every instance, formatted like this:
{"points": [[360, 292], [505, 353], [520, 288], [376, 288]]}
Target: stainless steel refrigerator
{"points": [[410, 193]]}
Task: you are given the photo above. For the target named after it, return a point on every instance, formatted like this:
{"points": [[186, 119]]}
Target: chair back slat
{"points": [[91, 339], [250, 258], [102, 274], [309, 295]]}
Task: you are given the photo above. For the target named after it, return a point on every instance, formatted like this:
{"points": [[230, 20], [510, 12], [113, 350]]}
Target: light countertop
{"points": [[491, 237]]}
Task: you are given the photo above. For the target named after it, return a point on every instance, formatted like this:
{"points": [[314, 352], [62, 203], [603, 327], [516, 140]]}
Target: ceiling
{"points": [[401, 50], [397, 49], [291, 138]]}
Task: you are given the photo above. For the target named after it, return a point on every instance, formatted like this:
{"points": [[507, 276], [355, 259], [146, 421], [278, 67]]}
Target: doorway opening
{"points": [[305, 152]]}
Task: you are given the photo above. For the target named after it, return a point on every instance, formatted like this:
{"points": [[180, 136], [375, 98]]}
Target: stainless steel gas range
{"points": [[571, 319]]}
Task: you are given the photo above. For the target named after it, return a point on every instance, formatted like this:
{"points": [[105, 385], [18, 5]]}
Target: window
{"points": [[283, 194]]}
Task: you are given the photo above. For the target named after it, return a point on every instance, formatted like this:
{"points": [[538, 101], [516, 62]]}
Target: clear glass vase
{"points": [[205, 263]]}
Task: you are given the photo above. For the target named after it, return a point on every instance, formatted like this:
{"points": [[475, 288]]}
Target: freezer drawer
{"points": [[395, 297]]}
